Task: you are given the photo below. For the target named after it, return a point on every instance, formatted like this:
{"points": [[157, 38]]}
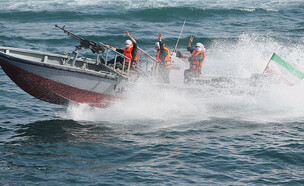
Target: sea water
{"points": [[236, 136]]}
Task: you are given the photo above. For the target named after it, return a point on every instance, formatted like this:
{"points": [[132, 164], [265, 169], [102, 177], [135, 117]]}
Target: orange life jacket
{"points": [[128, 54], [196, 65], [166, 62]]}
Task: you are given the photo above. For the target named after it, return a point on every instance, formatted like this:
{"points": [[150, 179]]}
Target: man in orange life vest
{"points": [[129, 51], [196, 60], [164, 59]]}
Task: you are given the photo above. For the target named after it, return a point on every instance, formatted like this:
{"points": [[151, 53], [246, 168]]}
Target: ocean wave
{"points": [[141, 4], [165, 14], [129, 5]]}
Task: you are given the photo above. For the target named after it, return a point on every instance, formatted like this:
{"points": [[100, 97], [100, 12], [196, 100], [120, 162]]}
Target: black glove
{"points": [[178, 54]]}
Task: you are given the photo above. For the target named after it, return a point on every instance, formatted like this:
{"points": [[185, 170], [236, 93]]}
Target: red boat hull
{"points": [[54, 92]]}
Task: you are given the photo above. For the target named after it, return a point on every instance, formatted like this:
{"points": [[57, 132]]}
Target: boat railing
{"points": [[125, 69], [146, 64], [149, 60], [104, 63]]}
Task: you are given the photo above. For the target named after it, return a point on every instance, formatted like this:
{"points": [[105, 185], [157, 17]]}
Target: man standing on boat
{"points": [[164, 60], [130, 51], [196, 60]]}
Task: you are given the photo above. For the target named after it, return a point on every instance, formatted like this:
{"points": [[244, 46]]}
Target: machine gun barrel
{"points": [[84, 43], [70, 33]]}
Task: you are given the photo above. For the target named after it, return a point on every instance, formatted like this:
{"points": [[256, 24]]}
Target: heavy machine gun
{"points": [[84, 43]]}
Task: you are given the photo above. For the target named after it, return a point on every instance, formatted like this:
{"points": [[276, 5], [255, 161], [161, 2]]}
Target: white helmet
{"points": [[128, 42], [201, 46]]}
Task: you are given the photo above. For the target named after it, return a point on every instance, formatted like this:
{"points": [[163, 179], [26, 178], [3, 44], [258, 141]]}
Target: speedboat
{"points": [[64, 78], [61, 79]]}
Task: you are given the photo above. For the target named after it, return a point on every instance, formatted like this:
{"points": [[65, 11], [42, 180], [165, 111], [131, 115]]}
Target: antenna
{"points": [[179, 36]]}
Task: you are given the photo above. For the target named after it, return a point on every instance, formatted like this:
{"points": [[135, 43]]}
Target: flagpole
{"points": [[268, 63]]}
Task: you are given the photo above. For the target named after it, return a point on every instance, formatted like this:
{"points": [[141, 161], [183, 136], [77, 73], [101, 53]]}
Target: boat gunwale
{"points": [[50, 65]]}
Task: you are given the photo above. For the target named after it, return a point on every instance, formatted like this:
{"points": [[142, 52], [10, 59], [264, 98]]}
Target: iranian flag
{"points": [[283, 70]]}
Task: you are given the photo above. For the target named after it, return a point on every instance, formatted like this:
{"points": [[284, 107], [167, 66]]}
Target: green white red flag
{"points": [[285, 71]]}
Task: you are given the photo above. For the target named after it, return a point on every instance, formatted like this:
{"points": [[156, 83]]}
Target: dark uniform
{"points": [[163, 58]]}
